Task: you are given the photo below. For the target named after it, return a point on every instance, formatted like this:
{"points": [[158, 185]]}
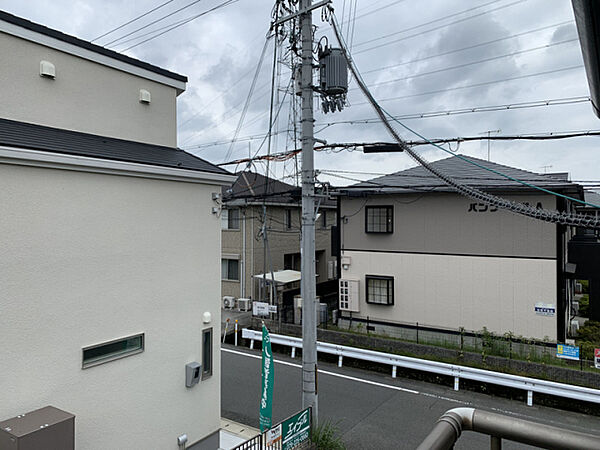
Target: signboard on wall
{"points": [[263, 309], [545, 309], [597, 358], [567, 352]]}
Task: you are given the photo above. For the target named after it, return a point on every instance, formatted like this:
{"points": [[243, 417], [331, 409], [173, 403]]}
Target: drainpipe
{"points": [[243, 277]]}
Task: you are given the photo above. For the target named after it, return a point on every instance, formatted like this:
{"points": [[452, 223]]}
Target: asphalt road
{"points": [[371, 410]]}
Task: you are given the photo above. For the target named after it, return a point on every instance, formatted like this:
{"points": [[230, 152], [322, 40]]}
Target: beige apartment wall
{"points": [[87, 258], [282, 241], [85, 96], [460, 291]]}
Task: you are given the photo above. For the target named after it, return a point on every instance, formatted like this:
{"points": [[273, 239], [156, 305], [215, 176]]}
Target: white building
{"points": [[109, 247]]}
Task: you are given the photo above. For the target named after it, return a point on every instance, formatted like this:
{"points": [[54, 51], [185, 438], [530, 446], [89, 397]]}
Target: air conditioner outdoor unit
{"points": [[244, 304], [228, 302]]}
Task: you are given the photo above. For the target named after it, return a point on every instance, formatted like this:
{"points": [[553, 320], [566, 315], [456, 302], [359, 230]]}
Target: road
{"points": [[371, 410]]}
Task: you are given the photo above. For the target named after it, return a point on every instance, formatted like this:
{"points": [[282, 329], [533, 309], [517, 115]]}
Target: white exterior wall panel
{"points": [[85, 96], [453, 291], [87, 258]]}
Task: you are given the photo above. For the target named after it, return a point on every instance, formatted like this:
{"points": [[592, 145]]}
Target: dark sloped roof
{"points": [[87, 45], [38, 137], [418, 179], [252, 186]]}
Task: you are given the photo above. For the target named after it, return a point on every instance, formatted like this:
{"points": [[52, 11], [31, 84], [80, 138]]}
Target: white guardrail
{"points": [[530, 385]]}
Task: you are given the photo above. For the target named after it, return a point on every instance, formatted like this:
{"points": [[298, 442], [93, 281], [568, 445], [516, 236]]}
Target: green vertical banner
{"points": [[266, 398]]}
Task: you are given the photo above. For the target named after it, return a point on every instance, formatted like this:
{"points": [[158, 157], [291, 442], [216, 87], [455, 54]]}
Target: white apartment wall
{"points": [[454, 291], [86, 258], [85, 96]]}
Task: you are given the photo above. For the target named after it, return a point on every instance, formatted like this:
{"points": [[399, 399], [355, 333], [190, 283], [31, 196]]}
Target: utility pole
{"points": [[308, 283]]}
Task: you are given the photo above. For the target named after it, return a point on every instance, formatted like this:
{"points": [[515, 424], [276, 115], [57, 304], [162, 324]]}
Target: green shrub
{"points": [[584, 305], [588, 338], [326, 437]]}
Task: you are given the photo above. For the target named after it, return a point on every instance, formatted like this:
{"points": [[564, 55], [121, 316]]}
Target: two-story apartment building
{"points": [[244, 253], [109, 246], [413, 251]]}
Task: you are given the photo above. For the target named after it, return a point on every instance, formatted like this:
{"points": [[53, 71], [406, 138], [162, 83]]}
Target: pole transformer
{"points": [[308, 283]]}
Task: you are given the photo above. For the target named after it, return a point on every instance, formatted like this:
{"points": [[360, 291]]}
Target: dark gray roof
{"points": [[38, 137], [418, 179], [252, 186], [6, 17]]}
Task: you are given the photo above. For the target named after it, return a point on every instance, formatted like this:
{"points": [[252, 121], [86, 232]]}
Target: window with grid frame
{"points": [[380, 290], [379, 219]]}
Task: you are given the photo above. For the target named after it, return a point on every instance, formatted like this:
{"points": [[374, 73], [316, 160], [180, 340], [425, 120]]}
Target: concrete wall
{"points": [[282, 241], [442, 223], [85, 96], [86, 258]]}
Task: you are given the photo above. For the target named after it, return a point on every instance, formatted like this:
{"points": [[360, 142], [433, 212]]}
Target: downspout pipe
{"points": [[450, 426]]}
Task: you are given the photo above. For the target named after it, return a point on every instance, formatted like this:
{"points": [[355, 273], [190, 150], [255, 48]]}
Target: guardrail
{"points": [[530, 385]]}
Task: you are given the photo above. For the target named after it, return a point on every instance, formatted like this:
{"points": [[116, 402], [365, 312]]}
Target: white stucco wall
{"points": [[86, 258], [85, 96], [454, 291]]}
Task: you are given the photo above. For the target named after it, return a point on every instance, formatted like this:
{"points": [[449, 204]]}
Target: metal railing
{"points": [[449, 427], [530, 385]]}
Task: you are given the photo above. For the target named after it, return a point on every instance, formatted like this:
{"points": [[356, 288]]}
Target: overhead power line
{"points": [[470, 47], [219, 6], [439, 19], [515, 207], [421, 33], [160, 19], [133, 20], [468, 110], [485, 83], [472, 63]]}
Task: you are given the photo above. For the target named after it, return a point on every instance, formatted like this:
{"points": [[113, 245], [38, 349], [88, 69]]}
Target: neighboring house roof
{"points": [[6, 17], [56, 140], [252, 187], [418, 179]]}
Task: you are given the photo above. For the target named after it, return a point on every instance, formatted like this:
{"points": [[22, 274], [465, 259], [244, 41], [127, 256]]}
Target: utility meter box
{"points": [[193, 371], [48, 428]]}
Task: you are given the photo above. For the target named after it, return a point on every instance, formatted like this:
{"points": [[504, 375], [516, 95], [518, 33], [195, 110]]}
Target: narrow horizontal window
{"points": [[109, 351]]}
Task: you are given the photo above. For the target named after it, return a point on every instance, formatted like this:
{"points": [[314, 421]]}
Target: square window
{"points": [[230, 269], [230, 219], [380, 290], [379, 219]]}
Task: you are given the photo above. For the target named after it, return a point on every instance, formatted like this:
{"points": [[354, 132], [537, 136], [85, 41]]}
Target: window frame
{"points": [[114, 355], [227, 219], [207, 373], [228, 271], [288, 218], [389, 218], [390, 289]]}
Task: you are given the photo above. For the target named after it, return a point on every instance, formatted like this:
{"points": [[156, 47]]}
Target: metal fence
{"points": [[483, 341], [530, 385]]}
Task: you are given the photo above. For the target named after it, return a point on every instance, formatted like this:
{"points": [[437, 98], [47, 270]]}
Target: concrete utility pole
{"points": [[308, 286]]}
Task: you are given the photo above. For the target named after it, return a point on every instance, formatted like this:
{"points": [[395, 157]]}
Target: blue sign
{"points": [[544, 309], [567, 352]]}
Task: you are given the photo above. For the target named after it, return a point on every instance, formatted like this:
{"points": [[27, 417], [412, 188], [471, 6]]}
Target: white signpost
{"points": [[263, 309]]}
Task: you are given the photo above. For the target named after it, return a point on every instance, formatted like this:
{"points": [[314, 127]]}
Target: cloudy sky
{"points": [[518, 51]]}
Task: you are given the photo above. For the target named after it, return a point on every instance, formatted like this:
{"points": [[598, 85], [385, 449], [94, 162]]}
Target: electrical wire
{"points": [[472, 63], [470, 47], [439, 19], [519, 208], [132, 20], [249, 97], [421, 33], [219, 6], [485, 83]]}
